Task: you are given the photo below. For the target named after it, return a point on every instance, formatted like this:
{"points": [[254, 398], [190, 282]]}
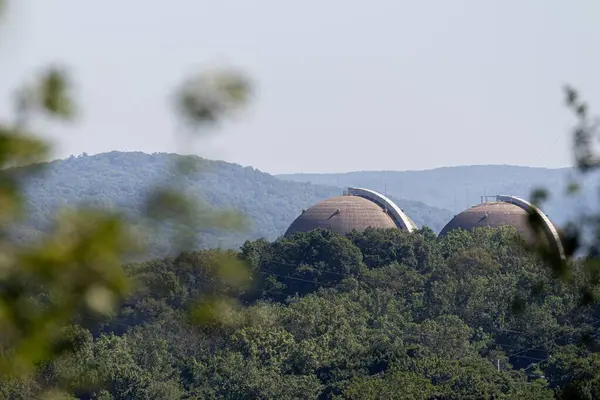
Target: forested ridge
{"points": [[380, 314], [119, 180]]}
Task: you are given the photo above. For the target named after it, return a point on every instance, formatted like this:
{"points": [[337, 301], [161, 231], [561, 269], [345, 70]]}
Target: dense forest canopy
{"points": [[379, 314]]}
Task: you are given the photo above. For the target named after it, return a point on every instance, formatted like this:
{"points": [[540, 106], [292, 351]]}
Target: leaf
{"points": [[189, 165], [78, 266], [20, 149], [166, 203], [232, 270], [538, 196], [573, 188], [54, 93], [217, 311], [570, 95], [206, 98], [100, 299]]}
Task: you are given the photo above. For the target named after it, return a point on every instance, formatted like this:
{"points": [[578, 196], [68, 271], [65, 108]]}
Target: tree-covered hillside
{"points": [[456, 188], [123, 180], [380, 314]]}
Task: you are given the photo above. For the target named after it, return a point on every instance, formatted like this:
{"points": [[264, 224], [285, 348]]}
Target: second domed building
{"points": [[505, 211], [357, 209]]}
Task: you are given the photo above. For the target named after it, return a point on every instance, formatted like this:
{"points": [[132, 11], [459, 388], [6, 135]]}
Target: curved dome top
{"points": [[505, 211], [342, 214], [493, 214]]}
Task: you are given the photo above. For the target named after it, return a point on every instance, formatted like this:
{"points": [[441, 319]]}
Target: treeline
{"points": [[122, 181], [380, 314]]}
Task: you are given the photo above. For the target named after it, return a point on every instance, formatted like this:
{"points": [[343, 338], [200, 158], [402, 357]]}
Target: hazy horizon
{"points": [[341, 86]]}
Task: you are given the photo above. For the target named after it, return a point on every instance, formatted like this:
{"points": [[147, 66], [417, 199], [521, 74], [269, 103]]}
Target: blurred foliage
{"points": [[581, 236], [206, 98], [75, 270]]}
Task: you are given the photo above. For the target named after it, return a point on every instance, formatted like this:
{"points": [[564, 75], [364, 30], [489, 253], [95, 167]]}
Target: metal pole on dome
{"points": [[467, 199]]}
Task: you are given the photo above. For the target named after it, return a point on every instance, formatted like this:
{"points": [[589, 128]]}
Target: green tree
{"points": [[76, 269]]}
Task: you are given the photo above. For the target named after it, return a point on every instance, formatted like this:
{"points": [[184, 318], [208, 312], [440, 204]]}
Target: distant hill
{"points": [[122, 180], [456, 188]]}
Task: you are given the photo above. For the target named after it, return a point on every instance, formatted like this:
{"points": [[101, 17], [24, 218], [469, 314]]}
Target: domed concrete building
{"points": [[505, 211], [357, 209]]}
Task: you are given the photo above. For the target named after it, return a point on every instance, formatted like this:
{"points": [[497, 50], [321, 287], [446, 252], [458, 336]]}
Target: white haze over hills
{"points": [[457, 188]]}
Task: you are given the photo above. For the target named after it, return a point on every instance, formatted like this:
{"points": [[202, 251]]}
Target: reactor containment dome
{"points": [[357, 209], [505, 210]]}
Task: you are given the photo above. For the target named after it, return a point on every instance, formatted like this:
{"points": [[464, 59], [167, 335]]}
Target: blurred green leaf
{"points": [[205, 98], [78, 266], [54, 93], [232, 270], [221, 219], [570, 95], [538, 196], [573, 188], [217, 311], [189, 165], [76, 269], [19, 149], [166, 203], [169, 204]]}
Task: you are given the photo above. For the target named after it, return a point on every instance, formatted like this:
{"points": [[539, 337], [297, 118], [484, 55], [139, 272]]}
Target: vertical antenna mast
{"points": [[467, 205], [385, 191]]}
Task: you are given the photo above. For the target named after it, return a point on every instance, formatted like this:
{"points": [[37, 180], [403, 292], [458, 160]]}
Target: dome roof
{"points": [[342, 214], [492, 214], [505, 211]]}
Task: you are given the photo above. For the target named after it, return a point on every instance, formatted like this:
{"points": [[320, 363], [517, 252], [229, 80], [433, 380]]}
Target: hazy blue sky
{"points": [[341, 84]]}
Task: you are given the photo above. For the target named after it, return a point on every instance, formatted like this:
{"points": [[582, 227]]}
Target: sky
{"points": [[340, 85]]}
